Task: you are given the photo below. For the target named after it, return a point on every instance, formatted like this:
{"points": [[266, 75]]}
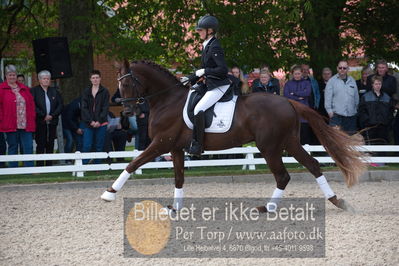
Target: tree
{"points": [[376, 25], [321, 22], [22, 21], [279, 33], [75, 23]]}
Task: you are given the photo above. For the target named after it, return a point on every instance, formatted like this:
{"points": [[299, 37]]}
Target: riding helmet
{"points": [[208, 22]]}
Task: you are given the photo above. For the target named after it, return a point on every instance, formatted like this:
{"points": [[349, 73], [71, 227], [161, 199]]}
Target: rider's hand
{"points": [[200, 72], [190, 79], [184, 80]]}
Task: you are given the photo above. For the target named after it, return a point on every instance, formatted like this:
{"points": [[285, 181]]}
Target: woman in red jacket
{"points": [[17, 115]]}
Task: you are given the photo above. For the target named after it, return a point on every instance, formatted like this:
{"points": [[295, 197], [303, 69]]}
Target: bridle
{"points": [[139, 99]]}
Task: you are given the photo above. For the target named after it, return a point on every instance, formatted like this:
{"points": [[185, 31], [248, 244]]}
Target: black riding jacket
{"points": [[212, 60]]}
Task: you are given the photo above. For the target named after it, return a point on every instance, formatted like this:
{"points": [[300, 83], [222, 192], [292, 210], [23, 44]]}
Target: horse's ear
{"points": [[117, 65], [126, 64]]}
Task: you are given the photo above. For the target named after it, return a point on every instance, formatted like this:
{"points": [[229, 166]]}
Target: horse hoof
{"points": [[344, 205], [261, 209], [108, 196]]}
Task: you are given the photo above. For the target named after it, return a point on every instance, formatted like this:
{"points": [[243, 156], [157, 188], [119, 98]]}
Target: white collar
{"points": [[206, 42]]}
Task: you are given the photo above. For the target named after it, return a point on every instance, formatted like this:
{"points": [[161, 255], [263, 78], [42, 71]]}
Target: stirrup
{"points": [[195, 149]]}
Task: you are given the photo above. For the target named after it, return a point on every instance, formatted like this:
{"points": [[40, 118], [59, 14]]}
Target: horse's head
{"points": [[130, 88], [147, 81]]}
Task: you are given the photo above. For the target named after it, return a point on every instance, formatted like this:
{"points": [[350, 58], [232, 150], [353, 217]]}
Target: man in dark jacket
{"points": [[376, 111], [95, 103], [71, 125], [143, 113], [388, 81], [265, 84], [48, 105]]}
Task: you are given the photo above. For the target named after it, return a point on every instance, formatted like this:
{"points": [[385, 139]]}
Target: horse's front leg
{"points": [[178, 166], [153, 150]]}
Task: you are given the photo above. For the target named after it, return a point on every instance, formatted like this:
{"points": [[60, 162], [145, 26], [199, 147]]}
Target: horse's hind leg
{"points": [[300, 154], [276, 165]]}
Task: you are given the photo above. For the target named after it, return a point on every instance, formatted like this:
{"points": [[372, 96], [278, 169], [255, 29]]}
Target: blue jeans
{"points": [[72, 138], [90, 134], [24, 140], [3, 147], [134, 129], [396, 129], [133, 123], [347, 123]]}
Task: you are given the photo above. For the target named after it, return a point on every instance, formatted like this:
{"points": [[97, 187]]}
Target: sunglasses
{"points": [[344, 68]]}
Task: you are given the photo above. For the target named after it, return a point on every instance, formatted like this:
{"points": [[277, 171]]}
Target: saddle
{"points": [[199, 91]]}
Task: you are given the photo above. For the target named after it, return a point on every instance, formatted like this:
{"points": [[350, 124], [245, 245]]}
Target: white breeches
{"points": [[210, 98]]}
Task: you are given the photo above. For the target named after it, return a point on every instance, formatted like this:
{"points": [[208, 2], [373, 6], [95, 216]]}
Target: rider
{"points": [[214, 70]]}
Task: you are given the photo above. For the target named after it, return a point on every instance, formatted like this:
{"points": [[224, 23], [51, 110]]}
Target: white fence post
{"points": [[138, 172], [78, 162], [249, 156]]}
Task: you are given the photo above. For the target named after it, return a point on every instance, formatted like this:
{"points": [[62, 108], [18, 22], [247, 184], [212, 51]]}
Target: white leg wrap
{"points": [[178, 201], [271, 206], [325, 187], [123, 177]]}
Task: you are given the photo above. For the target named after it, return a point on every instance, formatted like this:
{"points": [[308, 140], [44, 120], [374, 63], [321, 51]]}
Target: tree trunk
{"points": [[321, 25], [75, 25]]}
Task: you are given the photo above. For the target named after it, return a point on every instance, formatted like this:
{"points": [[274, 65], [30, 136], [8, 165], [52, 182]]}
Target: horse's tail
{"points": [[339, 145]]}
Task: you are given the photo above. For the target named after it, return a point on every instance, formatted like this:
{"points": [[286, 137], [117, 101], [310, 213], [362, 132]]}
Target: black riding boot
{"points": [[196, 146]]}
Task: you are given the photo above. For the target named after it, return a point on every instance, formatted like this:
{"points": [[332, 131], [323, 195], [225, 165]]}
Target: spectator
{"points": [[142, 123], [362, 82], [326, 74], [388, 81], [95, 103], [342, 99], [242, 87], [376, 111], [3, 147], [72, 131], [132, 128], [17, 115], [49, 106], [299, 89], [265, 68], [116, 136], [265, 84], [314, 100], [21, 78], [395, 98]]}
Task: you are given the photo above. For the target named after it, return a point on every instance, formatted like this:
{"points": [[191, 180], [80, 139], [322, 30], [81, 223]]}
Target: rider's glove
{"points": [[192, 79], [200, 72], [184, 80]]}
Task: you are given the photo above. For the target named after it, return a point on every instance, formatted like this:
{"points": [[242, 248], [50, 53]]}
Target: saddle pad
{"points": [[224, 112]]}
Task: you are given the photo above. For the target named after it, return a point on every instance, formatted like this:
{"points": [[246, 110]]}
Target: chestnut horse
{"points": [[270, 120]]}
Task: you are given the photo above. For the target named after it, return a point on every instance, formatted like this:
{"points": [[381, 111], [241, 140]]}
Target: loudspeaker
{"points": [[52, 54]]}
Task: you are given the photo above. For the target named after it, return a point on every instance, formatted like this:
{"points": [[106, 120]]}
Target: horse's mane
{"points": [[159, 68]]}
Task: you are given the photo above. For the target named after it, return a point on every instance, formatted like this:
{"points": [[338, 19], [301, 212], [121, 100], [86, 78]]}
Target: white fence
{"points": [[248, 162]]}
